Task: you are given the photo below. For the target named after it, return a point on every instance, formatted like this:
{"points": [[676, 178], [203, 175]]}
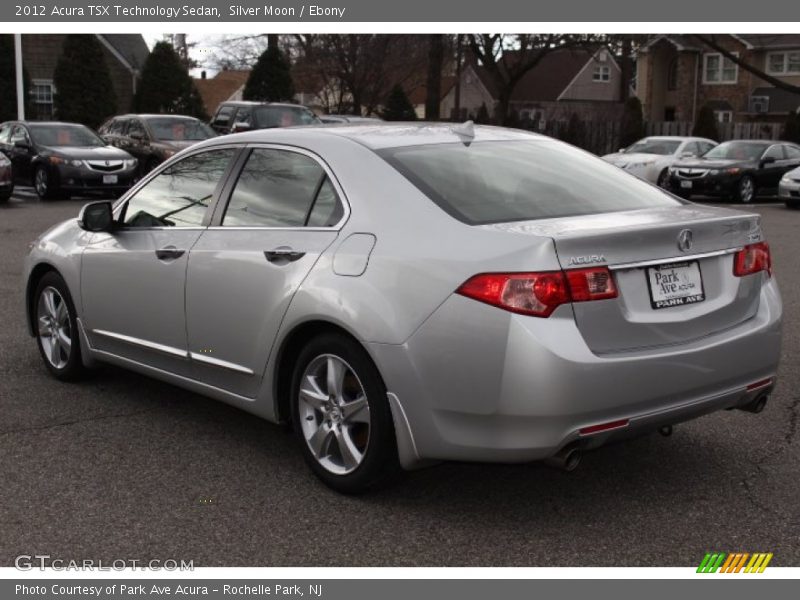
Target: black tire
{"points": [[6, 196], [792, 204], [663, 179], [43, 183], [745, 192], [72, 368], [379, 464]]}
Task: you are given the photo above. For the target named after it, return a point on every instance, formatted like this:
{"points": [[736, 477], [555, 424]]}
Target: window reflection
{"points": [[179, 196]]}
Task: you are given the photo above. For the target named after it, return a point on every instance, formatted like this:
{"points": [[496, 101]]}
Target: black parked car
{"points": [[152, 139], [60, 159], [738, 169], [233, 117]]}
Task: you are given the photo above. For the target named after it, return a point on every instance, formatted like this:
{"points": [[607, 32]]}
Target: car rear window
{"points": [[496, 182], [284, 116]]}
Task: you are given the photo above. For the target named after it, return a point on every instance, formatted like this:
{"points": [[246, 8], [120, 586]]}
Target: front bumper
{"points": [[76, 179], [789, 190], [707, 185], [477, 383]]}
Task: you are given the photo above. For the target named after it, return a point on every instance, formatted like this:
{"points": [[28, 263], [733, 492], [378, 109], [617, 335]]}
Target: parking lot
{"points": [[123, 467]]}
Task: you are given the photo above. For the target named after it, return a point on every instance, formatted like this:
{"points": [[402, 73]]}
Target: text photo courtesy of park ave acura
{"points": [[397, 300]]}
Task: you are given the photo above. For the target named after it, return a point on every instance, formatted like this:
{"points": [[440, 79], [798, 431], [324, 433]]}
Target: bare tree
{"points": [[433, 87], [508, 58]]}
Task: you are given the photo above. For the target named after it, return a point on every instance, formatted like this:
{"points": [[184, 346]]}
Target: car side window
{"points": [[5, 133], [223, 116], [135, 127], [243, 115], [179, 196], [19, 135], [278, 188], [705, 147], [775, 152], [792, 152], [693, 148]]}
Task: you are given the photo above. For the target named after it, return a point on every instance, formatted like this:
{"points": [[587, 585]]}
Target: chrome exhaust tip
{"points": [[566, 459], [756, 406]]}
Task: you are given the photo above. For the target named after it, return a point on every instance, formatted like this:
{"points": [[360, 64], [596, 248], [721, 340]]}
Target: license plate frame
{"points": [[110, 179], [686, 184], [683, 273]]}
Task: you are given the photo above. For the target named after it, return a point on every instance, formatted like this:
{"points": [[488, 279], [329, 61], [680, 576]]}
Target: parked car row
{"points": [[737, 169]]}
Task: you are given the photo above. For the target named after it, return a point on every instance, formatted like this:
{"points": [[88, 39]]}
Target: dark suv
{"points": [[233, 117], [152, 139]]}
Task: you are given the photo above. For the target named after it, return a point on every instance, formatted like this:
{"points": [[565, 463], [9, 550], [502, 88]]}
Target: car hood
{"points": [[794, 174], [620, 158], [89, 153], [712, 163]]}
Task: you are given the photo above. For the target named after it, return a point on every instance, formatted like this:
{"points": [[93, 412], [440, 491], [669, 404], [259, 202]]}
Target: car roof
{"points": [[154, 116], [380, 135], [255, 103]]}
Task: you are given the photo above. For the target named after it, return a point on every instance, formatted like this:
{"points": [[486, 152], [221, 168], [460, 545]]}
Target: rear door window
{"points": [[280, 188], [500, 181]]}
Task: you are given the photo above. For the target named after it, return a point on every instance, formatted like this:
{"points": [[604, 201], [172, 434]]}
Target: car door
{"points": [[133, 278], [769, 173], [21, 153], [284, 209]]}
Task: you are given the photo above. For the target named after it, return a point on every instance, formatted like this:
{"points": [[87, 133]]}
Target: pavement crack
{"points": [[793, 418], [75, 422]]}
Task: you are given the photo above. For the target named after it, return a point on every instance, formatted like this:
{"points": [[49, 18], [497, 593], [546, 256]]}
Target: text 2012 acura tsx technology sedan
{"points": [[412, 293]]}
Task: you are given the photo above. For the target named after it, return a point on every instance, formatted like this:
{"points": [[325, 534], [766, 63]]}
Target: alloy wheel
{"points": [[334, 414], [746, 190], [54, 328], [41, 182]]}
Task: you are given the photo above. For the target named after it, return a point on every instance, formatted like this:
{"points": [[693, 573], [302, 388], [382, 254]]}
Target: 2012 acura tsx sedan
{"points": [[404, 294]]}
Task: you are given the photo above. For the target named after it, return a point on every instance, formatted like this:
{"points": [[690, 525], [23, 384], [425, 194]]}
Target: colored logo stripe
{"points": [[734, 562]]}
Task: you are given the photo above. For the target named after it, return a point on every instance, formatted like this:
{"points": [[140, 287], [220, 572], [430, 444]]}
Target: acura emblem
{"points": [[108, 163], [685, 240]]}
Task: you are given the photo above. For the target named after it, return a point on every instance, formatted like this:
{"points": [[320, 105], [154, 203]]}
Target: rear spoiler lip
{"points": [[672, 259]]}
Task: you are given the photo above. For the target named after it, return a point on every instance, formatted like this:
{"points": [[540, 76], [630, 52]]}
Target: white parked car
{"points": [[651, 157]]}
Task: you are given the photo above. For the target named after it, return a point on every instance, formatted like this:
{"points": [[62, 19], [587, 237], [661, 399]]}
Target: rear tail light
{"points": [[539, 294], [752, 259]]}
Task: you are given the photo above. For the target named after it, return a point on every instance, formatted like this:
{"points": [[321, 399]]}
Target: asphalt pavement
{"points": [[124, 467]]}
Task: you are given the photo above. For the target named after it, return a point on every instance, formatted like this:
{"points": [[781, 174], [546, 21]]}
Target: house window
{"points": [[672, 75], [41, 92], [718, 69], [784, 63], [723, 116], [601, 73]]}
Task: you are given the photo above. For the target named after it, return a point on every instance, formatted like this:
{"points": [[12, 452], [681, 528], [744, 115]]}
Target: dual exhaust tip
{"points": [[569, 458]]}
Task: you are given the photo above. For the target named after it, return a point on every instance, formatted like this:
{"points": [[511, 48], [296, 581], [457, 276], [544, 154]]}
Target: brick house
{"points": [[678, 74], [124, 54], [575, 80]]}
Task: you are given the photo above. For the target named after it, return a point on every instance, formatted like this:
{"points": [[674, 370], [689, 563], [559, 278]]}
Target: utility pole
{"points": [[19, 78]]}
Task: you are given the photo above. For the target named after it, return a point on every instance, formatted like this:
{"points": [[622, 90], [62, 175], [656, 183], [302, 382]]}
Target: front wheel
{"points": [[663, 179], [44, 184], [342, 417], [57, 328], [746, 190]]}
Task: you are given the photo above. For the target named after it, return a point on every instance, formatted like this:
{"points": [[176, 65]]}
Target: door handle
{"points": [[283, 254], [169, 253]]}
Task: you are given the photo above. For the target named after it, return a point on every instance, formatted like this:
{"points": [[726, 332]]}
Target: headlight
{"points": [[640, 165], [785, 179], [713, 172], [76, 163], [130, 163], [4, 162]]}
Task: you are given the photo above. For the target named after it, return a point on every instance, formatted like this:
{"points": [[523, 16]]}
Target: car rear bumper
{"points": [[477, 383]]}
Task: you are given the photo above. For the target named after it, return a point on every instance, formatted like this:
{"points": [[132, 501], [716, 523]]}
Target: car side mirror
{"points": [[767, 160], [97, 216], [240, 126]]}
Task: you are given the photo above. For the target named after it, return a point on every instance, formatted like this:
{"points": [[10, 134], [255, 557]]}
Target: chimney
{"points": [[202, 74]]}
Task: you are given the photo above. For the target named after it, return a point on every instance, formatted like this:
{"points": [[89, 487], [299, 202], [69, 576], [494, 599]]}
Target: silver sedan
{"points": [[406, 294]]}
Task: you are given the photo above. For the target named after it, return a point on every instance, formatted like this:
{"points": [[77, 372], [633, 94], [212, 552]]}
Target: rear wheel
{"points": [[57, 328], [342, 417], [746, 190], [44, 184]]}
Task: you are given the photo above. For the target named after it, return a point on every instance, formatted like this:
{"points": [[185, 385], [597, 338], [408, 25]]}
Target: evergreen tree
{"points": [[398, 106], [791, 128], [83, 89], [632, 128], [271, 78], [8, 92], [166, 86], [706, 125]]}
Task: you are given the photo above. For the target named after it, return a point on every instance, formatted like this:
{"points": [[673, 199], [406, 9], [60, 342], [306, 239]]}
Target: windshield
{"points": [[179, 130], [737, 151], [65, 135], [284, 116], [495, 182], [650, 146]]}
